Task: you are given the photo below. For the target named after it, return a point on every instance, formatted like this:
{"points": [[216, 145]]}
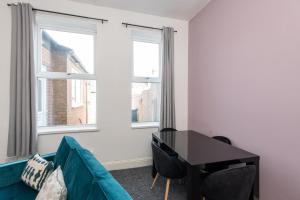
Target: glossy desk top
{"points": [[199, 149]]}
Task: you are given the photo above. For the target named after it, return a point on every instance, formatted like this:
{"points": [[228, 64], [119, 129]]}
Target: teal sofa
{"points": [[85, 177]]}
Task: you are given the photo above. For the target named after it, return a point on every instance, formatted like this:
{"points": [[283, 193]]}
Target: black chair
{"points": [[223, 139], [167, 166], [229, 184], [166, 149]]}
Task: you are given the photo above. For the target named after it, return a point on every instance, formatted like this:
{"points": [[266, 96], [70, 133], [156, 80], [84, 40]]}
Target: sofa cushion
{"points": [[65, 147], [108, 189], [18, 191], [36, 172], [54, 188]]}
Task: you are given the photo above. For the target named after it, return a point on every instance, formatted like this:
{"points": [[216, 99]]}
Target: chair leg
{"points": [[167, 189], [154, 181]]}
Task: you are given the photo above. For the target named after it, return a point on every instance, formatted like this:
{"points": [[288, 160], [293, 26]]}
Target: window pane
{"points": [[67, 52], [146, 59], [145, 102], [60, 110]]}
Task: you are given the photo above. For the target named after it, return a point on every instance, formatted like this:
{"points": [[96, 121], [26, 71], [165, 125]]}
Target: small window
{"points": [[145, 107], [66, 81]]}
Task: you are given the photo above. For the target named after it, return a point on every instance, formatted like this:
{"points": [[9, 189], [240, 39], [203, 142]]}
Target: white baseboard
{"points": [[112, 165], [128, 164]]}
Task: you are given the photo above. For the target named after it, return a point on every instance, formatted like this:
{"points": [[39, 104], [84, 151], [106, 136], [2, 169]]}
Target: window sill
{"points": [[77, 106], [145, 125], [65, 129]]}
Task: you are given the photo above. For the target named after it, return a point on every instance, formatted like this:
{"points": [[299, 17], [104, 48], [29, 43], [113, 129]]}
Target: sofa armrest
{"points": [[108, 188], [10, 173]]}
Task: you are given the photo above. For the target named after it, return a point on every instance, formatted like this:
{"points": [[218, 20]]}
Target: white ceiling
{"points": [[180, 9]]}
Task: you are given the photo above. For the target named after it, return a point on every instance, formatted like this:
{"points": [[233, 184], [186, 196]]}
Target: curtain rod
{"points": [[72, 15], [140, 26]]}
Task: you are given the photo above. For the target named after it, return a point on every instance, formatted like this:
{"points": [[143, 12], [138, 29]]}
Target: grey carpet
{"points": [[138, 181]]}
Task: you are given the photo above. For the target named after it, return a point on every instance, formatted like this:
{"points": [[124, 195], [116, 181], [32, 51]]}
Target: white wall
{"points": [[115, 141]]}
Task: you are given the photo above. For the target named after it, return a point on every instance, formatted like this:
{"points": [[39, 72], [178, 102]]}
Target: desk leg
{"points": [[255, 189], [194, 180], [153, 166], [256, 183], [153, 170]]}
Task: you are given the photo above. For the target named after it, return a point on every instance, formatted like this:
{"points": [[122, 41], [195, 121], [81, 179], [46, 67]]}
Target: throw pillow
{"points": [[36, 172], [54, 187]]}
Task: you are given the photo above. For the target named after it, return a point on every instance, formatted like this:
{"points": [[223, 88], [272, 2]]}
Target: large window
{"points": [[145, 108], [66, 81]]}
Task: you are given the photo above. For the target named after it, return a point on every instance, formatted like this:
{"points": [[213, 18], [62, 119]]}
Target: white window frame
{"points": [[43, 98], [77, 100], [72, 25], [147, 37], [41, 113]]}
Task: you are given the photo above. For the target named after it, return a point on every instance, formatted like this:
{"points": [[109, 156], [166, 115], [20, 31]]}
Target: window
{"points": [[145, 108], [66, 80]]}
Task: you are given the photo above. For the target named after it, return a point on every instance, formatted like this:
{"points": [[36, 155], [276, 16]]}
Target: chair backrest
{"points": [[168, 129], [223, 139], [230, 184], [166, 165]]}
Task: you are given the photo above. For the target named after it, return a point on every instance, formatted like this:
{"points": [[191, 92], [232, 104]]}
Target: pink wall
{"points": [[244, 82]]}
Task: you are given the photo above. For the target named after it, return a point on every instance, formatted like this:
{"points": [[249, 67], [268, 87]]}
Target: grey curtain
{"points": [[167, 113], [22, 137]]}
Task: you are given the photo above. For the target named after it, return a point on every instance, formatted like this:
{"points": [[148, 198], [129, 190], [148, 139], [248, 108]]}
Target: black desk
{"points": [[198, 151]]}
